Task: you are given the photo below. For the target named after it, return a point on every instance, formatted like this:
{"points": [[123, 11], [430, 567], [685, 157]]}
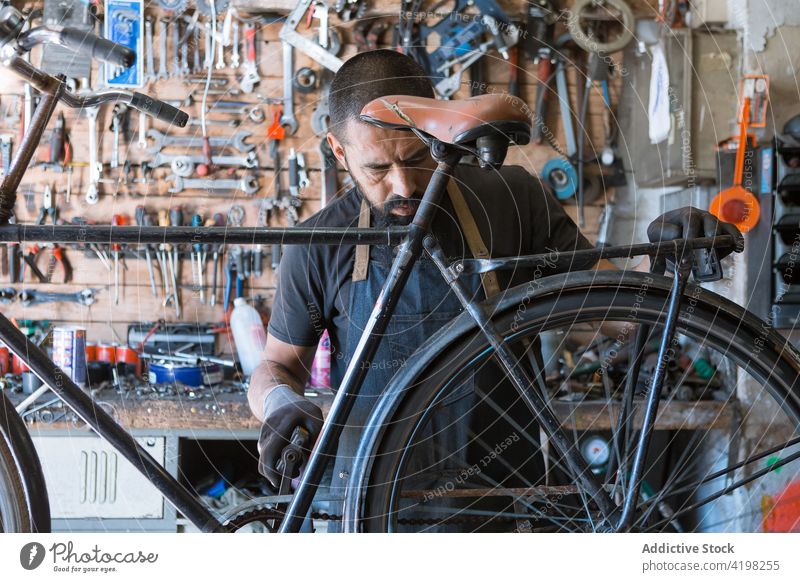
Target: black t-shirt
{"points": [[514, 214]]}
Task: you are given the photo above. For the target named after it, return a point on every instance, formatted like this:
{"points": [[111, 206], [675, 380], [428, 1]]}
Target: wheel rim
{"points": [[654, 498]]}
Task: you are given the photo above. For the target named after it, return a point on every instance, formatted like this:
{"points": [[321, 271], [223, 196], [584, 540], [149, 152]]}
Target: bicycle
{"points": [[504, 330]]}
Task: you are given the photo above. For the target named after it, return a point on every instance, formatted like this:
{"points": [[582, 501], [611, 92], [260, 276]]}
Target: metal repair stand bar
{"points": [[108, 428], [408, 253], [523, 384], [683, 267], [108, 234]]}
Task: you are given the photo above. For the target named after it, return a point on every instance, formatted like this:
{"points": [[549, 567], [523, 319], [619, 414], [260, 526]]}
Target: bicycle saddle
{"points": [[484, 124]]}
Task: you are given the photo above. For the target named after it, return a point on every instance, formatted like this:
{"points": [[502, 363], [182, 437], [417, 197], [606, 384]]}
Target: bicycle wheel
{"points": [[24, 504], [723, 458]]}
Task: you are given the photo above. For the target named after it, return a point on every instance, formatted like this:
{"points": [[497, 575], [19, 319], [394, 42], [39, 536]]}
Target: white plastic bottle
{"points": [[248, 334]]}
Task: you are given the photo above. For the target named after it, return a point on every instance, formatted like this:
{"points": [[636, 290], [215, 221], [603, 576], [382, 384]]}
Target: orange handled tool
{"points": [[736, 204]]}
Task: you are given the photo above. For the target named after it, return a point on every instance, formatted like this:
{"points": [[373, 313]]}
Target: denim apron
{"points": [[426, 304]]}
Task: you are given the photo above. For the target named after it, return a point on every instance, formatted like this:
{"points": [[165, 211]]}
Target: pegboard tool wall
{"points": [[119, 196]]}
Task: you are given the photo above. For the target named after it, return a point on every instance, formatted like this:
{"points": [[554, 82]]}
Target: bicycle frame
{"points": [[414, 240], [417, 239]]}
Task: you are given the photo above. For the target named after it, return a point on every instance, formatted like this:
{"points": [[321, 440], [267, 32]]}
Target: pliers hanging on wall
{"points": [[57, 256]]}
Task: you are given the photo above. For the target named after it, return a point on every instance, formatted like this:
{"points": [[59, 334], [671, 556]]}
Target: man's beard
{"points": [[385, 218]]}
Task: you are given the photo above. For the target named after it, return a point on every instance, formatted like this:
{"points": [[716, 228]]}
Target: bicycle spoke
{"points": [[672, 479], [760, 473], [514, 471], [580, 493], [494, 486], [516, 426]]}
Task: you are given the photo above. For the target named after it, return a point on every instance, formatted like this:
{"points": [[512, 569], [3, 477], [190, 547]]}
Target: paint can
{"points": [[107, 353], [17, 365], [5, 360], [69, 352], [194, 376], [128, 360]]}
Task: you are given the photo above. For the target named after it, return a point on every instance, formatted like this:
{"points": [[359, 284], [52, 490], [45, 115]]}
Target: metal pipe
{"points": [[22, 406], [105, 425], [107, 234]]}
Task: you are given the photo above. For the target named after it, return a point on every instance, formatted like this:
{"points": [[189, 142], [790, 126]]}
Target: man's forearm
{"points": [[265, 378], [613, 328]]}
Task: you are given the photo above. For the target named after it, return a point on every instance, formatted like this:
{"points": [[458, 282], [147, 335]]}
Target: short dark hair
{"points": [[370, 75]]}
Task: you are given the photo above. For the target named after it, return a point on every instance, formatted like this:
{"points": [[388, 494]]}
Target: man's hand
{"points": [[284, 410], [689, 222]]}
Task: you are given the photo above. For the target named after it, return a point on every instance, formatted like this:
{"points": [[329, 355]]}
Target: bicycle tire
{"points": [[577, 297], [24, 505]]}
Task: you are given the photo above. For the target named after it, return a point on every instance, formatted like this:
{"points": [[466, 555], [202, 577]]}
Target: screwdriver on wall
{"points": [[144, 219], [176, 219], [211, 221], [196, 258], [116, 220], [164, 259], [216, 251]]}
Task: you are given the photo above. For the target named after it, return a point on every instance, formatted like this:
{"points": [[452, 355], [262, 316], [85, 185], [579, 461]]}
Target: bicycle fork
{"points": [[615, 518]]}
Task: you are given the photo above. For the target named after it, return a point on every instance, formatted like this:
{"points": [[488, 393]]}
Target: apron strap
{"points": [[360, 267], [465, 219], [473, 236]]}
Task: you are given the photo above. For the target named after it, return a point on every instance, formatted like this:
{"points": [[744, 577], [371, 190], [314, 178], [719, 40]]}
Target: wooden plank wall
{"points": [[108, 322]]}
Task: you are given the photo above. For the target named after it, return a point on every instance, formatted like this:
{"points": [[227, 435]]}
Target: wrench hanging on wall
{"points": [[250, 78], [307, 46], [95, 166]]}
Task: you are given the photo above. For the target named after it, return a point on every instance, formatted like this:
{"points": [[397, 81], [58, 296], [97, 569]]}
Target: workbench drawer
{"points": [[87, 478]]}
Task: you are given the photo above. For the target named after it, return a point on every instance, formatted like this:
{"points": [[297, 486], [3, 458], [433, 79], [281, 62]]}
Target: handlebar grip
{"points": [[102, 49], [159, 109]]}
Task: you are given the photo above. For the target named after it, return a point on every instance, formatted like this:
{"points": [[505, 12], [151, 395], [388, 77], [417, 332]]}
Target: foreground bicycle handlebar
{"points": [[15, 42]]}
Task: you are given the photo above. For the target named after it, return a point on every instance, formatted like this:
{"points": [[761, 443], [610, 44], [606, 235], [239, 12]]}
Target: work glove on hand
{"points": [[284, 410], [689, 222]]}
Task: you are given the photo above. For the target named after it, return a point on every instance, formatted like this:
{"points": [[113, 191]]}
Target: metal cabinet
{"points": [[89, 482]]}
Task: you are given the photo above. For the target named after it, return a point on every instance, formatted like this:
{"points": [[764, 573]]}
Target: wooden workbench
{"points": [[210, 409]]}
